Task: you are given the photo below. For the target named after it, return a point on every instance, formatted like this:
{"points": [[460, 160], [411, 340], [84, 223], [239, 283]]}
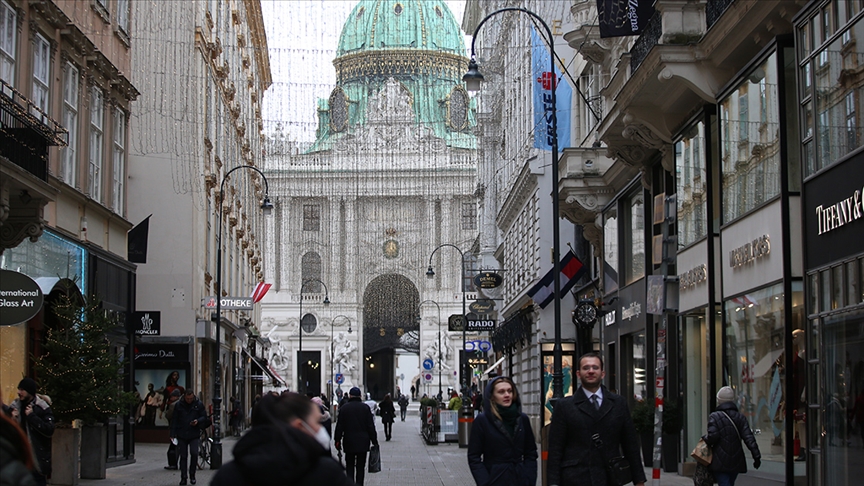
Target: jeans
{"points": [[188, 447], [725, 479], [355, 467], [405, 410], [388, 430]]}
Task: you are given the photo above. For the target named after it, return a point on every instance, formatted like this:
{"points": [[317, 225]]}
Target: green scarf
{"points": [[509, 417]]}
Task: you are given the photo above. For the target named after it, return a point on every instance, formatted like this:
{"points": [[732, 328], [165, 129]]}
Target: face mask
{"points": [[322, 437]]}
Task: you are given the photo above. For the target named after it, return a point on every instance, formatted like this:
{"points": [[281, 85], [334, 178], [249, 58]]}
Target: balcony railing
{"points": [[714, 10], [646, 41], [26, 132]]}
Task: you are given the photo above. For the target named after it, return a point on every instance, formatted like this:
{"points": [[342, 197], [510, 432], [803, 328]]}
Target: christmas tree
{"points": [[78, 369]]}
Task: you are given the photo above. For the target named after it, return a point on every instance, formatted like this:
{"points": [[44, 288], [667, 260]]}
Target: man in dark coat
{"points": [[403, 406], [726, 428], [34, 416], [575, 457], [357, 426], [184, 427]]}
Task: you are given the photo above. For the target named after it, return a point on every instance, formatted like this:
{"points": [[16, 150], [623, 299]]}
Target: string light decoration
{"points": [[78, 369]]}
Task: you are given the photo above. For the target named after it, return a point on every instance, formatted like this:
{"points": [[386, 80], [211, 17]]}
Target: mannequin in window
{"points": [[796, 397]]}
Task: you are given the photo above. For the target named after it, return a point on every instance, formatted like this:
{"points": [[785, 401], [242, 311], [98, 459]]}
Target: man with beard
{"points": [[36, 419]]}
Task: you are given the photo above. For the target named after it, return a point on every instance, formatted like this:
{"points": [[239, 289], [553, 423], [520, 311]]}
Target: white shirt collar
{"points": [[599, 394]]}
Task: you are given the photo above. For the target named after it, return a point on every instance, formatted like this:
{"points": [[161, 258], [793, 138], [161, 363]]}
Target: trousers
{"points": [[355, 467], [188, 447]]}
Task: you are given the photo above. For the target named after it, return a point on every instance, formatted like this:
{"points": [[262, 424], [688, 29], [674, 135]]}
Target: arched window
{"points": [[310, 269]]}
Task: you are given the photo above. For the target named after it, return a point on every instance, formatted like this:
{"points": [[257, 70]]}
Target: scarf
{"points": [[509, 417]]}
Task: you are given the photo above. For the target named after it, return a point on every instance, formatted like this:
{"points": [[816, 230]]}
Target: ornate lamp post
{"points": [[439, 338], [266, 207], [301, 385], [430, 274], [333, 351], [473, 79]]}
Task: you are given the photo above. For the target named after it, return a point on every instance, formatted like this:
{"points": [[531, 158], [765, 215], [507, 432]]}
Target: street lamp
{"points": [[473, 79], [430, 274], [333, 351], [300, 384], [267, 208], [439, 335]]}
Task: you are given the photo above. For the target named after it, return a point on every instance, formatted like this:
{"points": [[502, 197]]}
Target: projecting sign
{"points": [[482, 306], [20, 298], [228, 303], [481, 324], [455, 323], [146, 323], [488, 280]]}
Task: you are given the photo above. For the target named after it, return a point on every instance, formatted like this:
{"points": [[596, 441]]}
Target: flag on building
{"points": [[136, 242], [544, 81], [260, 291], [619, 18], [572, 270]]}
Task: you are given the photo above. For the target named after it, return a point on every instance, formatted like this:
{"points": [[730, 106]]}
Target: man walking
{"points": [[184, 427], [588, 429], [403, 406], [356, 425], [36, 419]]}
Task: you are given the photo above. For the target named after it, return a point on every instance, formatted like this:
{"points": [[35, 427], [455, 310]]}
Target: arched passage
{"points": [[390, 323]]}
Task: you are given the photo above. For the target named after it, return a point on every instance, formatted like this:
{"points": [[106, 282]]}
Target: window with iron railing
{"points": [[8, 33]]}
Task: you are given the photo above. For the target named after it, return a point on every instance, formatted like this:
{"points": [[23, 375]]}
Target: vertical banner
{"points": [[544, 82], [136, 242], [620, 18]]}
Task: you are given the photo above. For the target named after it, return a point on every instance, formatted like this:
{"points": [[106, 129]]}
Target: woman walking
{"points": [[726, 429], [388, 415], [502, 451]]}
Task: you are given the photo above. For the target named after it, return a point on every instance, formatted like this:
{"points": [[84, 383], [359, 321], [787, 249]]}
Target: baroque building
{"points": [[364, 211]]}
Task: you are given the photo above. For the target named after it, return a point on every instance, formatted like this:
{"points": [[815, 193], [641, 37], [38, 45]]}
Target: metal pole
{"points": [[557, 373], [300, 352]]}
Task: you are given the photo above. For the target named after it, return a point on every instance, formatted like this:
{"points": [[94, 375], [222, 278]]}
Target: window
{"points": [[94, 182], [310, 269], [469, 216], [311, 217], [123, 16], [634, 238], [851, 123], [692, 187], [119, 160], [41, 73], [7, 43], [68, 171], [610, 250]]}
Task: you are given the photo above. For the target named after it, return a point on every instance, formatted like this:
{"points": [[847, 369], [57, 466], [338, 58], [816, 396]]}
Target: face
{"points": [[502, 393], [313, 421], [23, 395], [591, 372], [189, 398]]}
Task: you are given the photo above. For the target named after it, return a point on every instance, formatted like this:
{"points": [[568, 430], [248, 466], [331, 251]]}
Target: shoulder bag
{"points": [[617, 469], [375, 459]]}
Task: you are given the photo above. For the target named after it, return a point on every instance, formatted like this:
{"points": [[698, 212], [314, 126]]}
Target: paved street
{"points": [[405, 460]]}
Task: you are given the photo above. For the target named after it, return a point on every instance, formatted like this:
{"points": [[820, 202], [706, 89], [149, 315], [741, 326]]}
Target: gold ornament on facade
{"points": [[362, 65], [457, 108]]}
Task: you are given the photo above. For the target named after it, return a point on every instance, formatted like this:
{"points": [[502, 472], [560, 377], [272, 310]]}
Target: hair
{"points": [[592, 354], [502, 379], [169, 381], [281, 409], [387, 398], [190, 392], [13, 433]]}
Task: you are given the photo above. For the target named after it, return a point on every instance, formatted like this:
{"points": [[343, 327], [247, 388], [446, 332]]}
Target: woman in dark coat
{"points": [[726, 429], [285, 446], [388, 415], [502, 450]]}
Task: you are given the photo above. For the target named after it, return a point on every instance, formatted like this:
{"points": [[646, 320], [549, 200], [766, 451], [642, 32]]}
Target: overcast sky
{"points": [[302, 36]]}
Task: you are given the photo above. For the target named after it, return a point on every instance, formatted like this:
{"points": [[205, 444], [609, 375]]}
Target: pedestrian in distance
{"points": [[501, 449], [403, 406], [726, 429], [286, 445], [388, 415], [184, 427], [169, 413], [33, 414], [455, 402], [355, 430], [236, 416], [588, 429]]}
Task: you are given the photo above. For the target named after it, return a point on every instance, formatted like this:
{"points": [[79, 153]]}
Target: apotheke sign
{"points": [[228, 303]]}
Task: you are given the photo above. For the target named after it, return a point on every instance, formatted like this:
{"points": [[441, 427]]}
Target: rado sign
{"points": [[750, 252]]}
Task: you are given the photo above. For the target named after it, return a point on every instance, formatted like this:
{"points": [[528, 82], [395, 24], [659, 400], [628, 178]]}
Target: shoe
{"points": [[192, 481], [171, 468], [183, 482]]}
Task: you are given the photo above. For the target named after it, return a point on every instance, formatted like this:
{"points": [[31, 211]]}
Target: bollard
{"points": [[466, 419]]}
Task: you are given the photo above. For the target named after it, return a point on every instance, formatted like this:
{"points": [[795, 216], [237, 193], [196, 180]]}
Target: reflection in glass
{"points": [[691, 186], [634, 238], [610, 250]]}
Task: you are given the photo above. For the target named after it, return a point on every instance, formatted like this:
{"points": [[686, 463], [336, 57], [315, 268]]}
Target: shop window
{"points": [[610, 250], [852, 283], [695, 367], [634, 238], [691, 186]]}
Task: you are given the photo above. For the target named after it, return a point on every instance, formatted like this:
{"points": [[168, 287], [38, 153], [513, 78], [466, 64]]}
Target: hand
{"points": [[338, 445], [29, 409], [375, 442], [15, 413], [757, 463], [194, 423]]}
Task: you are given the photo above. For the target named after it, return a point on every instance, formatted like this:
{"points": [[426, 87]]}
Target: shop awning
{"points": [[266, 372]]}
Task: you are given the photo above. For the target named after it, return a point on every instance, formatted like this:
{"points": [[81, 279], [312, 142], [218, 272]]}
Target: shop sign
{"points": [[481, 324], [609, 319], [750, 252], [488, 280], [840, 213], [632, 311], [228, 303], [482, 306], [146, 323], [693, 277], [455, 323], [161, 352], [20, 298]]}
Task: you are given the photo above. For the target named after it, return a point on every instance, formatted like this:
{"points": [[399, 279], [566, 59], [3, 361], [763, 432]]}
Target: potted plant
{"points": [[673, 422], [643, 421], [84, 380]]}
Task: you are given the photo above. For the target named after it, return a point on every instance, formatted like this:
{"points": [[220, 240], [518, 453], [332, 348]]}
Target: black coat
{"points": [[725, 442], [355, 427], [496, 457], [403, 402], [271, 455], [387, 412], [184, 414], [39, 427], [574, 458]]}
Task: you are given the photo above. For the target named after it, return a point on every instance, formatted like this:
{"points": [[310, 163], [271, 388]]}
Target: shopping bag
{"points": [[703, 476], [702, 453], [375, 459]]}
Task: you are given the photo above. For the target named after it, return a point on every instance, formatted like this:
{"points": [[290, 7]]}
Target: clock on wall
{"points": [[585, 313]]}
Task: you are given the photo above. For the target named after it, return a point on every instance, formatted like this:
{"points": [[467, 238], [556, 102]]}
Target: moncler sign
{"points": [[146, 323]]}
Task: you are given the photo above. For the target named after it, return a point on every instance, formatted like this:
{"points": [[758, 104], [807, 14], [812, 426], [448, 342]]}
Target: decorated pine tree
{"points": [[78, 369]]}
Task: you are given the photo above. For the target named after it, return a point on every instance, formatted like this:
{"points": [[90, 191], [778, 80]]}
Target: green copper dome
{"points": [[419, 44]]}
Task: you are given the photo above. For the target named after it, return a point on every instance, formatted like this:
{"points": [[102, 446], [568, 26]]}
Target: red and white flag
{"points": [[260, 291]]}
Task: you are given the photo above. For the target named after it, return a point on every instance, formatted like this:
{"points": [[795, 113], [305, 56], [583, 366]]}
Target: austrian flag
{"points": [[571, 270], [260, 291]]}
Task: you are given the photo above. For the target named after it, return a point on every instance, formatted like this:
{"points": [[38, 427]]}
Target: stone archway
{"points": [[390, 324]]}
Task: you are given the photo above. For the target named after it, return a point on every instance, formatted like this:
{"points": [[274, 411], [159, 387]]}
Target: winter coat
{"points": [[39, 427], [387, 412], [725, 442], [355, 428], [184, 414], [403, 402], [574, 458], [497, 458], [271, 455]]}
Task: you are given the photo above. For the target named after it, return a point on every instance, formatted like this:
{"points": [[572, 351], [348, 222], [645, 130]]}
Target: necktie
{"points": [[595, 402]]}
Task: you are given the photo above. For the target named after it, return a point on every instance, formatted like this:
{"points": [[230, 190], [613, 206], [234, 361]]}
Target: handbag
{"points": [[375, 459], [702, 453], [703, 476], [617, 469]]}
